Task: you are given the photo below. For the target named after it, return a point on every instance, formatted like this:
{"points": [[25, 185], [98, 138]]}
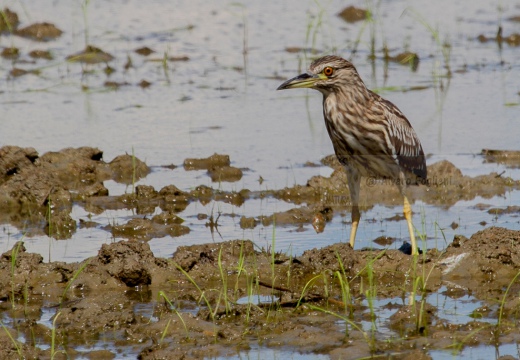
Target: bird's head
{"points": [[326, 74]]}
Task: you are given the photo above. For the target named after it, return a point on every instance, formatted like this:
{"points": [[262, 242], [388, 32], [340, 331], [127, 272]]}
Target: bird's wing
{"points": [[407, 149]]}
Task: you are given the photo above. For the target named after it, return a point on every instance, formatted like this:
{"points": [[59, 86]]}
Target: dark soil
{"points": [[194, 302], [204, 282]]}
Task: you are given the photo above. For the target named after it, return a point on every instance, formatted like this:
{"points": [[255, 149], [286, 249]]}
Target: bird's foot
{"points": [[406, 248]]}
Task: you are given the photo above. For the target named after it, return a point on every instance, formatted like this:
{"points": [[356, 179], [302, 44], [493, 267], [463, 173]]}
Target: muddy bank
{"points": [[161, 308], [38, 189], [323, 197], [38, 192], [230, 296]]}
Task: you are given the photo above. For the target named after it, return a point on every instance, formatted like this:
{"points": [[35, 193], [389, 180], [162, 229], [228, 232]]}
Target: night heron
{"points": [[370, 135]]}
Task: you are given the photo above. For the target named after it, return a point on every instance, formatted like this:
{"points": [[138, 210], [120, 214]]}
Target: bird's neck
{"points": [[347, 99], [355, 93]]}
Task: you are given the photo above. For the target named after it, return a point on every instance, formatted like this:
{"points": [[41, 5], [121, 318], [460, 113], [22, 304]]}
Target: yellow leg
{"points": [[407, 210], [354, 180], [355, 223]]}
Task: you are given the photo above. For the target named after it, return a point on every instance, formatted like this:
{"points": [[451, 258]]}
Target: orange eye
{"points": [[328, 71]]}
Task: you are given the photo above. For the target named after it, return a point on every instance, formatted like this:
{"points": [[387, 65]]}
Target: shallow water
{"points": [[264, 353], [224, 100]]}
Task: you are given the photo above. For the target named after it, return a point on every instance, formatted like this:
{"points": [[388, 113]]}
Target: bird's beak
{"points": [[305, 80]]}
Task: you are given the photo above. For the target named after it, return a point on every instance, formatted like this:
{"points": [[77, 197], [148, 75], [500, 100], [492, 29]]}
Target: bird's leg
{"points": [[355, 223], [407, 210], [354, 180]]}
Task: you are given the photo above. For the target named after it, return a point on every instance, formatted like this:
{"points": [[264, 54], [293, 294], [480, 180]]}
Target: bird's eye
{"points": [[328, 71]]}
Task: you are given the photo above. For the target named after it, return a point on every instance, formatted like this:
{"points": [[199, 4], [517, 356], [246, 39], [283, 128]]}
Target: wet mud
{"points": [[9, 20], [217, 166], [207, 295], [194, 298], [42, 189], [91, 55], [509, 158], [40, 32], [405, 58]]}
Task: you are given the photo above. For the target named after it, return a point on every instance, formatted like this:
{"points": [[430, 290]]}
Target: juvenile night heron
{"points": [[370, 135]]}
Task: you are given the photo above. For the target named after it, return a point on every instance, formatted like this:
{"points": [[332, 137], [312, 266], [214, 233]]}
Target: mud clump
{"points": [[109, 311], [10, 350], [300, 194], [144, 51], [509, 158], [60, 224], [352, 14], [199, 256], [91, 55], [16, 72], [30, 180], [143, 84], [328, 258], [384, 240], [36, 190], [491, 257], [40, 32], [41, 54], [225, 173], [248, 222], [127, 169], [8, 21], [215, 160], [146, 229], [405, 58], [405, 320], [24, 262], [127, 262], [511, 209], [218, 167], [178, 58], [10, 53], [115, 84], [13, 159], [302, 215]]}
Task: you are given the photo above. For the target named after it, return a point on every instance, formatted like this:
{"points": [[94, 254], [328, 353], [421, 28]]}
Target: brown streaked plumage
{"points": [[370, 135]]}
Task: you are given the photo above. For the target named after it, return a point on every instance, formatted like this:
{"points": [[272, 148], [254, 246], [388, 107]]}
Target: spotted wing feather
{"points": [[407, 148]]}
